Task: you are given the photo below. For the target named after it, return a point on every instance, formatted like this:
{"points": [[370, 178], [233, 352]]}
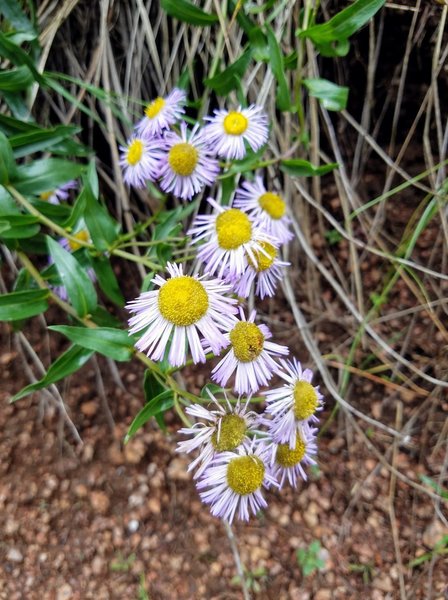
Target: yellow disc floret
{"points": [[183, 158], [154, 107], [286, 457], [245, 474], [233, 228], [263, 260], [247, 341], [231, 433], [46, 195], [235, 123], [273, 205], [82, 235], [135, 152], [183, 301], [305, 400]]}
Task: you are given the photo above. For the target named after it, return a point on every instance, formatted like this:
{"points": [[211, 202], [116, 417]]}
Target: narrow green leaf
{"points": [[8, 167], [188, 12], [17, 226], [343, 25], [331, 96], [114, 343], [21, 305], [67, 363], [212, 388], [12, 51], [106, 279], [15, 80], [101, 226], [276, 61], [299, 167], [79, 288], [229, 78], [151, 386], [157, 405], [12, 11], [37, 140], [45, 175]]}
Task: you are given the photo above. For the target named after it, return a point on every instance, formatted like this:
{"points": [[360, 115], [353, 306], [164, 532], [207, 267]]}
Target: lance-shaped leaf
{"points": [[330, 95], [74, 278], [24, 304], [188, 12], [161, 403], [114, 343], [298, 167]]}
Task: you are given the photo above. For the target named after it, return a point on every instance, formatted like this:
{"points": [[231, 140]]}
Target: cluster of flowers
{"points": [[239, 451]]}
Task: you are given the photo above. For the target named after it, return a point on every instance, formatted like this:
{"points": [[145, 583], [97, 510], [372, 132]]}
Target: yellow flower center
{"points": [[305, 400], [135, 152], [46, 195], [245, 474], [183, 159], [183, 301], [247, 341], [232, 432], [235, 123], [233, 228], [82, 235], [154, 107], [263, 262], [273, 205], [286, 457]]}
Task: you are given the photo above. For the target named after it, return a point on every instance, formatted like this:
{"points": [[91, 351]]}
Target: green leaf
{"points": [[17, 226], [340, 27], [37, 140], [21, 305], [66, 364], [298, 167], [151, 386], [106, 279], [8, 167], [79, 288], [229, 78], [114, 343], [330, 95], [12, 11], [15, 80], [276, 61], [157, 405], [12, 51], [101, 226], [188, 12], [212, 388], [44, 175]]}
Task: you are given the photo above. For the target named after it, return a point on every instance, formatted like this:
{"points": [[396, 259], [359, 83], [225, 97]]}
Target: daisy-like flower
{"points": [[294, 405], [225, 429], [185, 307], [231, 239], [187, 165], [228, 130], [250, 356], [140, 160], [60, 194], [287, 463], [266, 208], [161, 113], [233, 482], [267, 270]]}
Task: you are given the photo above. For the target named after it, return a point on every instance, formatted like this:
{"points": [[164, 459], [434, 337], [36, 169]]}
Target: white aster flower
{"points": [[161, 113], [228, 130], [187, 165], [185, 307], [60, 194], [266, 208], [231, 239], [140, 161], [250, 356], [293, 405], [266, 271], [233, 482], [225, 429], [288, 463]]}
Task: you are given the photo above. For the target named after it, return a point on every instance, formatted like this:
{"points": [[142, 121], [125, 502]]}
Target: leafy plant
{"points": [[309, 558]]}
